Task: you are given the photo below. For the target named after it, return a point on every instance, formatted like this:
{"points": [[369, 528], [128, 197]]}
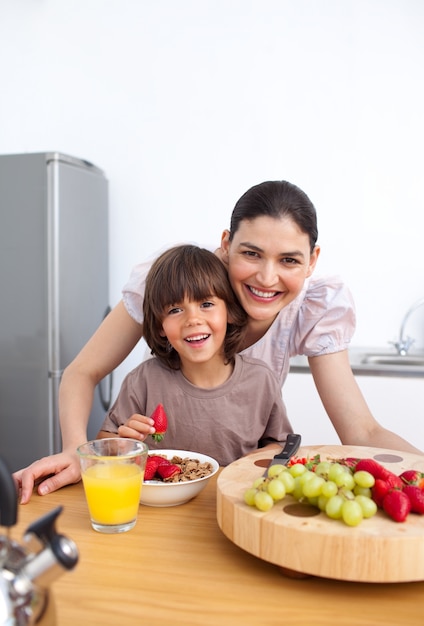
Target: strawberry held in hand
{"points": [[160, 422]]}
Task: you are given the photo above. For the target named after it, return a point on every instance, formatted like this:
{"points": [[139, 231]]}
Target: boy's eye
{"points": [[207, 304], [172, 310]]}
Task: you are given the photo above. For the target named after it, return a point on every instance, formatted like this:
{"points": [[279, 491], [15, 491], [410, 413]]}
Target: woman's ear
{"points": [[313, 260], [223, 251]]}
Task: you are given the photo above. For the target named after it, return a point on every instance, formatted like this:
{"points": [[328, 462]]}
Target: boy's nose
{"points": [[193, 317]]}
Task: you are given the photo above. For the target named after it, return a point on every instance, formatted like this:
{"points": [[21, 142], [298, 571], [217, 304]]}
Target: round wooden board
{"points": [[378, 550]]}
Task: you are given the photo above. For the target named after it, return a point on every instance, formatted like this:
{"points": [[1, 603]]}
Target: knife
{"points": [[291, 447]]}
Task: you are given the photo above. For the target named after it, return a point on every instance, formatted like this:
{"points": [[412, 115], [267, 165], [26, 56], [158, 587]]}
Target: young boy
{"points": [[218, 402]]}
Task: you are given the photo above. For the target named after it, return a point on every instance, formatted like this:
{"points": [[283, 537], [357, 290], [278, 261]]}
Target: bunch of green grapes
{"points": [[330, 486]]}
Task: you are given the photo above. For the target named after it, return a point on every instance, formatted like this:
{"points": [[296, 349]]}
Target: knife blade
{"points": [[290, 448]]}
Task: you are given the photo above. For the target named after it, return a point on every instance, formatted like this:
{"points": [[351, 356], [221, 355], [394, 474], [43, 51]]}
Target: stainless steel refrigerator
{"points": [[53, 292]]}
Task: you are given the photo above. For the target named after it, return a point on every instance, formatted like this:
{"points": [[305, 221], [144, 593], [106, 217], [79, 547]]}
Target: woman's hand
{"points": [[48, 474], [136, 427]]}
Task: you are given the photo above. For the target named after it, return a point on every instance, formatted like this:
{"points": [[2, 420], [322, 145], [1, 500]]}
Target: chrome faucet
{"points": [[404, 343]]}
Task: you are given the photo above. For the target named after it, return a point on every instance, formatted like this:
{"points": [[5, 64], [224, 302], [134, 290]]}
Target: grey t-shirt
{"points": [[226, 422]]}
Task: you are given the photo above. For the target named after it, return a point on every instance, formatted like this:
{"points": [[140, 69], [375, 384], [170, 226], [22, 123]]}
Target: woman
{"points": [[270, 252]]}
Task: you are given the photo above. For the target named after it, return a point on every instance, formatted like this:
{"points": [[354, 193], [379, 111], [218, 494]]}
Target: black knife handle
{"points": [[291, 446]]}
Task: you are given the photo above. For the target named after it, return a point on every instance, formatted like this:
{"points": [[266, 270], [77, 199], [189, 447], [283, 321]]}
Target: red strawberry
{"points": [[379, 490], [350, 461], [413, 477], [378, 471], [371, 466], [152, 464], [160, 422], [167, 471], [397, 505], [416, 497]]}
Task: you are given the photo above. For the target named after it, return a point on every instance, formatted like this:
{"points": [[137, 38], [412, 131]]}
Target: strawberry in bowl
{"points": [[173, 477]]}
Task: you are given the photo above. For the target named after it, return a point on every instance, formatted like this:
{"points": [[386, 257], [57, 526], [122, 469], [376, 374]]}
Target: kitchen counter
{"points": [[361, 360], [177, 567]]}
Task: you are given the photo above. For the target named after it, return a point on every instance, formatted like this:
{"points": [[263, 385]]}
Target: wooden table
{"points": [[176, 567]]}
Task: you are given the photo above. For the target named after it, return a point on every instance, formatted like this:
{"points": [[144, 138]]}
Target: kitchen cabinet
{"points": [[397, 403]]}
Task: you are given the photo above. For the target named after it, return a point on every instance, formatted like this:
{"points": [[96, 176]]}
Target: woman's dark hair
{"points": [[277, 199], [197, 274]]}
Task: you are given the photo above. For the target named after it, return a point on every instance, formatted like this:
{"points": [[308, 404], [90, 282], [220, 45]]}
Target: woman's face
{"points": [[268, 261]]}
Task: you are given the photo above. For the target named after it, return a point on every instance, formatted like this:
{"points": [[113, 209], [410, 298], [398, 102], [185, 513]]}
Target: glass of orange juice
{"points": [[112, 473]]}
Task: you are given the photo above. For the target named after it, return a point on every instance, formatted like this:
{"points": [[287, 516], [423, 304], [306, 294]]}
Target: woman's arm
{"points": [[111, 343], [346, 406], [108, 347]]}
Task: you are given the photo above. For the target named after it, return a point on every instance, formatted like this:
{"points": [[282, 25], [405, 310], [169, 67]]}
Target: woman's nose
{"points": [[267, 275]]}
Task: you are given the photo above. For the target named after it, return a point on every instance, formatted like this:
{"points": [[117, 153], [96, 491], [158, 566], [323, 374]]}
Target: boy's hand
{"points": [[137, 427]]}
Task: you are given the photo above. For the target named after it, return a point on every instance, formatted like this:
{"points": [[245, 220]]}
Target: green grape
{"points": [[312, 488], [322, 502], [249, 496], [297, 469], [345, 480], [346, 493], [263, 501], [322, 469], [334, 507], [364, 479], [368, 506], [362, 491], [276, 489], [313, 501], [259, 482], [329, 489], [352, 512], [335, 471], [297, 492], [306, 476], [274, 470], [288, 481]]}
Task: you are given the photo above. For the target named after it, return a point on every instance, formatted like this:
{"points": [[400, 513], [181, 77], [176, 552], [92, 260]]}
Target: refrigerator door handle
{"points": [[106, 401]]}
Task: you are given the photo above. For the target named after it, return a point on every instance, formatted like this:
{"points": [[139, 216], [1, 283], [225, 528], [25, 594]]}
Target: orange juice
{"points": [[113, 492]]}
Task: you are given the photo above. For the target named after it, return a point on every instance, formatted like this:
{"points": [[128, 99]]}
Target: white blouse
{"points": [[321, 320]]}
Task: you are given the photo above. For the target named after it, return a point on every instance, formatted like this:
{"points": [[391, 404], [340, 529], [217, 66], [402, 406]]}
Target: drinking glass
{"points": [[112, 473]]}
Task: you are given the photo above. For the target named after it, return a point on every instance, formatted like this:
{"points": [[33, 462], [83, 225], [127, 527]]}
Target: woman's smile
{"points": [[260, 293]]}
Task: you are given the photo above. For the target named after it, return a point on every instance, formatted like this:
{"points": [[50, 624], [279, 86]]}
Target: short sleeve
{"points": [[133, 290], [326, 318]]}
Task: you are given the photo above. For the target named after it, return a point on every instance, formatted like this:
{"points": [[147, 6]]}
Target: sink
{"points": [[409, 360]]}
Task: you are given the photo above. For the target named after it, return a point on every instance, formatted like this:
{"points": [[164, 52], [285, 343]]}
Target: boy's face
{"points": [[196, 330]]}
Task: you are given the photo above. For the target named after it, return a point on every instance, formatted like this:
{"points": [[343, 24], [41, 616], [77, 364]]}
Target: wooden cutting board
{"points": [[304, 541]]}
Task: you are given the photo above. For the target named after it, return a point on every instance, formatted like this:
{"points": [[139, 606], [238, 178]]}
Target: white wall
{"points": [[185, 104]]}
